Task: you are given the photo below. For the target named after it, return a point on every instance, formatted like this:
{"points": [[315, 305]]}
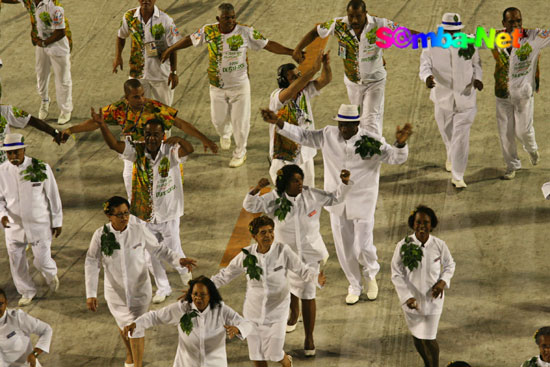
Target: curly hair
{"points": [[287, 173], [543, 331], [156, 121], [259, 222], [426, 210], [113, 203], [215, 296]]}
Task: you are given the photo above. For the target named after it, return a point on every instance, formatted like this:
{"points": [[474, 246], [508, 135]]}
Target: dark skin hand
{"points": [[437, 289], [430, 83]]}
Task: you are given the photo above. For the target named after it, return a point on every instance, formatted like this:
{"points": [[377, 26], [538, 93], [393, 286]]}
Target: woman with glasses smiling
{"points": [[123, 248]]}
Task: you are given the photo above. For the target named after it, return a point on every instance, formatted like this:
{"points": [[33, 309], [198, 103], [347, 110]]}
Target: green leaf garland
{"points": [[158, 31], [108, 242], [186, 321], [45, 17], [284, 208], [367, 147], [467, 53], [411, 254], [35, 172], [252, 270]]}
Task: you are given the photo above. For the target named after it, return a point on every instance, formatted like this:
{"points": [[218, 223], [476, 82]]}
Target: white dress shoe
{"points": [[63, 118], [159, 298], [237, 162], [534, 157], [372, 290], [225, 143], [291, 328], [509, 175], [186, 277], [448, 166], [54, 284], [24, 301], [43, 111], [309, 352], [459, 184], [128, 364], [352, 299]]}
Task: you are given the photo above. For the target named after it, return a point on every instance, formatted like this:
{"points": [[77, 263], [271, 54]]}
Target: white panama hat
{"points": [[451, 22], [13, 142], [348, 113]]}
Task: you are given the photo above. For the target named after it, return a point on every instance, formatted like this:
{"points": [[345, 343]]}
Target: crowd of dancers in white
{"points": [[283, 265]]}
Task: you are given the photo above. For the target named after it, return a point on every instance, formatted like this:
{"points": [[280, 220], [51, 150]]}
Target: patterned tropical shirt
{"points": [[11, 116], [47, 19], [227, 52], [363, 62], [132, 123]]}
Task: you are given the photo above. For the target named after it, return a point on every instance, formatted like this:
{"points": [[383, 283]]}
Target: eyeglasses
{"points": [[121, 215]]}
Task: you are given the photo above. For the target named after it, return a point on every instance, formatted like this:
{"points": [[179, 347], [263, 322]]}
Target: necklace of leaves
{"points": [[36, 172], [284, 207], [252, 270], [411, 254], [186, 321], [367, 147], [108, 242]]}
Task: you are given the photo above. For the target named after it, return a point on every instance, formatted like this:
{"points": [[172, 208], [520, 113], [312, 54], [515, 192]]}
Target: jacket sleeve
{"points": [[169, 315], [52, 194], [448, 264], [92, 265], [233, 270], [31, 325], [309, 138], [231, 317], [326, 198], [425, 65], [3, 205], [259, 204], [392, 154], [295, 264], [398, 273], [476, 64], [159, 250]]}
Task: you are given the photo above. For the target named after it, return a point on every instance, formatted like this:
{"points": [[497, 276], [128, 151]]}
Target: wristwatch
{"points": [[35, 354], [175, 72]]}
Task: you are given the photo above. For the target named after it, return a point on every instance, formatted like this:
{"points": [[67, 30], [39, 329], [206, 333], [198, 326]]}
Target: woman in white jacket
{"points": [[203, 322], [267, 293], [422, 267], [298, 228], [124, 248]]}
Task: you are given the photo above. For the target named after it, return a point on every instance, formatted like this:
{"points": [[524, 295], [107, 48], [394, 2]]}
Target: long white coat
{"points": [[205, 345]]}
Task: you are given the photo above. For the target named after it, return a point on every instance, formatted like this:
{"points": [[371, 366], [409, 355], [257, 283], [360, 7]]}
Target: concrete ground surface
{"points": [[496, 230]]}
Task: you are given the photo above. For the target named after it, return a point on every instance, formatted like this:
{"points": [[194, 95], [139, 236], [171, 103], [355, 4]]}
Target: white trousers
{"points": [[515, 120], [230, 112], [158, 91], [307, 167], [167, 233], [370, 98], [19, 266], [454, 127], [355, 249], [61, 66]]}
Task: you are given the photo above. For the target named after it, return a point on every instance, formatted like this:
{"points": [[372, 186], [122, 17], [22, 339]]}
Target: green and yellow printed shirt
{"points": [[46, 17]]}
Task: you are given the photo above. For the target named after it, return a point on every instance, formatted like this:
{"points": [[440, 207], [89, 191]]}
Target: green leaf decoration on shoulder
{"points": [[468, 52], [328, 24], [158, 31], [257, 35], [186, 321], [35, 172], [45, 17], [250, 263], [367, 147], [108, 242], [411, 254], [284, 208], [235, 42], [524, 51], [18, 112]]}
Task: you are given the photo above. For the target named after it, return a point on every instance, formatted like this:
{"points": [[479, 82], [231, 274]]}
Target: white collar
{"points": [[204, 312], [541, 363], [137, 14], [420, 243]]}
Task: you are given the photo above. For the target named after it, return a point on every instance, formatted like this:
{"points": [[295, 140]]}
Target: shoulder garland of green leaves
{"points": [[252, 270], [157, 31], [45, 17], [468, 52], [367, 147], [530, 363], [108, 242], [186, 321], [411, 254], [284, 208], [35, 172]]}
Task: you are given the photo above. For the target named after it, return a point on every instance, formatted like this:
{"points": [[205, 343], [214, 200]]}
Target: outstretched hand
{"points": [[188, 263], [97, 117], [402, 134]]}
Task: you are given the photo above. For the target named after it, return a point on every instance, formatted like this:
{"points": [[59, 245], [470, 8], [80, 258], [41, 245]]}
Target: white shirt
{"points": [[301, 106], [266, 300], [167, 193], [339, 154], [33, 208], [205, 345], [453, 75], [10, 116], [16, 327], [366, 63], [300, 228], [228, 60], [127, 279], [437, 264], [55, 20], [153, 68]]}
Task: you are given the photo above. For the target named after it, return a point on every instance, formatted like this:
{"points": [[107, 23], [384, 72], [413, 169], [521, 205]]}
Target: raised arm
{"points": [[183, 43], [309, 138], [88, 125], [277, 48], [43, 126], [326, 73], [297, 53], [169, 315], [185, 148], [190, 129], [116, 145], [302, 81], [253, 203], [325, 198]]}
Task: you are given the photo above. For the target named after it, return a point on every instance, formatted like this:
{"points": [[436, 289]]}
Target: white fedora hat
{"points": [[451, 22], [348, 113], [13, 142]]}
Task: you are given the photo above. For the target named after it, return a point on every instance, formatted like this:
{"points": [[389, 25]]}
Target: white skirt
{"points": [[266, 341], [125, 315], [300, 288], [422, 326]]}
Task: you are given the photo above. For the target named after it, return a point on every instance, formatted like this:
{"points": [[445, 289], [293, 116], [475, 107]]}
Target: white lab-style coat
{"points": [[437, 264], [300, 228], [33, 208], [339, 154], [266, 300], [453, 75], [16, 327], [205, 345], [127, 279]]}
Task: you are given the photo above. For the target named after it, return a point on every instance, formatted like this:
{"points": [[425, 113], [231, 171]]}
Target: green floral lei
{"points": [[367, 147], [158, 31], [411, 254], [252, 270], [36, 172], [108, 242], [284, 208], [186, 321]]}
